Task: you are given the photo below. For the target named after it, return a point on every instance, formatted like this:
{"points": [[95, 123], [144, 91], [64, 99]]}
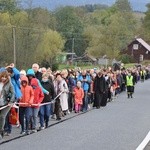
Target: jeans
{"points": [[35, 117], [8, 126], [70, 102], [45, 112], [85, 101], [3, 114], [25, 113]]}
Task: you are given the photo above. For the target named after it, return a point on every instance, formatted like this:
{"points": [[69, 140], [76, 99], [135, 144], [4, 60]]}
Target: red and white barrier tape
{"points": [[36, 105]]}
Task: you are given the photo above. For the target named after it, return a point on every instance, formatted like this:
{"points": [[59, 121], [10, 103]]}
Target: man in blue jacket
{"points": [[85, 79]]}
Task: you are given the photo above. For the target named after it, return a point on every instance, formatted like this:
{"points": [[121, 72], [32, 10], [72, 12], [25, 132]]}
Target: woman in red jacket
{"points": [[25, 104], [38, 98]]}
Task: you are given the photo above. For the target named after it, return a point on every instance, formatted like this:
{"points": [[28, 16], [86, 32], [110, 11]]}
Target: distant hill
{"points": [[137, 5]]}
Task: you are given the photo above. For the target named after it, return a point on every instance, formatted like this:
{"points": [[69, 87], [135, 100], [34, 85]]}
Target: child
{"points": [[38, 98], [25, 107], [78, 97]]}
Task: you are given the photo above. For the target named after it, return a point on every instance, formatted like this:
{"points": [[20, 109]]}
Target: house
{"points": [[139, 50]]}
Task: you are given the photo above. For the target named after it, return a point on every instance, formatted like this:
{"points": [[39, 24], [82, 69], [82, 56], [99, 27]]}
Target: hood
{"points": [[24, 78], [30, 72], [34, 82]]}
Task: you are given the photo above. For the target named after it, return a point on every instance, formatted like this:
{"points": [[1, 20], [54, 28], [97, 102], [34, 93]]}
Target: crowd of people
{"points": [[40, 94]]}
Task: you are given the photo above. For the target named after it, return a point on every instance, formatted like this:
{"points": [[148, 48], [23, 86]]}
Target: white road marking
{"points": [[144, 142]]}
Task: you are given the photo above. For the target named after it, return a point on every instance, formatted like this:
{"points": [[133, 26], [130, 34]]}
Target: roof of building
{"points": [[146, 45]]}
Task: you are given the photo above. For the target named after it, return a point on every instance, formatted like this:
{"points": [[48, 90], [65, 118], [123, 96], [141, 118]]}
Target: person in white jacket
{"points": [[63, 87]]}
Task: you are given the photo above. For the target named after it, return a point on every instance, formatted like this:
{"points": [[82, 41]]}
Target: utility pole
{"points": [[72, 49], [14, 43]]}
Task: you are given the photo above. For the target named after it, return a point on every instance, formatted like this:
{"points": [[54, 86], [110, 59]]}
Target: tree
{"points": [[71, 27], [110, 34], [123, 5], [43, 18], [50, 46], [146, 24], [10, 6], [6, 42]]}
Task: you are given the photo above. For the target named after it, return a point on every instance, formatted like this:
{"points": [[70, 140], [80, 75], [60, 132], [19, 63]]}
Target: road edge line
{"points": [[144, 142]]}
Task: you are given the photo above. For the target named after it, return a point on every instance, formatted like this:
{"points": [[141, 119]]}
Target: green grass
{"points": [[129, 65], [65, 66]]}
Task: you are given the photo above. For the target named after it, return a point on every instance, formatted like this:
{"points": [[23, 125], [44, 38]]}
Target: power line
{"points": [[69, 33]]}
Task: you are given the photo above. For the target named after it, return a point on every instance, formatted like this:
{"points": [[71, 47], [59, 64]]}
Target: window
{"points": [[135, 46]]}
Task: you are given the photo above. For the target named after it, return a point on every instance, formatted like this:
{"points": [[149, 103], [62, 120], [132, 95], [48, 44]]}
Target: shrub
{"points": [[125, 58]]}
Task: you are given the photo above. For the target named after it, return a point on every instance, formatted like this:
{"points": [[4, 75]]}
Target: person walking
{"points": [[130, 84]]}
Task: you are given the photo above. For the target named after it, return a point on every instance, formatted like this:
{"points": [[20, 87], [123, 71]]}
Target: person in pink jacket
{"points": [[78, 97]]}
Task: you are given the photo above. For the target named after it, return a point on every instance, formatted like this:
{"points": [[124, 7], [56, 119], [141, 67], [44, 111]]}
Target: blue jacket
{"points": [[31, 72], [85, 84], [16, 83]]}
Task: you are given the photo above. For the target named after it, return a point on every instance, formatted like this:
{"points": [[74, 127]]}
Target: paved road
{"points": [[122, 125]]}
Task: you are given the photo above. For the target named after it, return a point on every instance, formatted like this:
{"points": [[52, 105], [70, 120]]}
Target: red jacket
{"points": [[38, 94], [27, 94]]}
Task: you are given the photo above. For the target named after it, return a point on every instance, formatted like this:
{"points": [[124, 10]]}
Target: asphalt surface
{"points": [[121, 125]]}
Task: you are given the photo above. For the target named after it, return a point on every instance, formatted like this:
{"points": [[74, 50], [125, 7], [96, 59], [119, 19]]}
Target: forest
{"points": [[32, 34]]}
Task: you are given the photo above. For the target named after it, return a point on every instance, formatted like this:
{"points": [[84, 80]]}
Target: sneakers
{"points": [[7, 134], [42, 128], [34, 131], [28, 132], [58, 119], [53, 117], [22, 132], [68, 112]]}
